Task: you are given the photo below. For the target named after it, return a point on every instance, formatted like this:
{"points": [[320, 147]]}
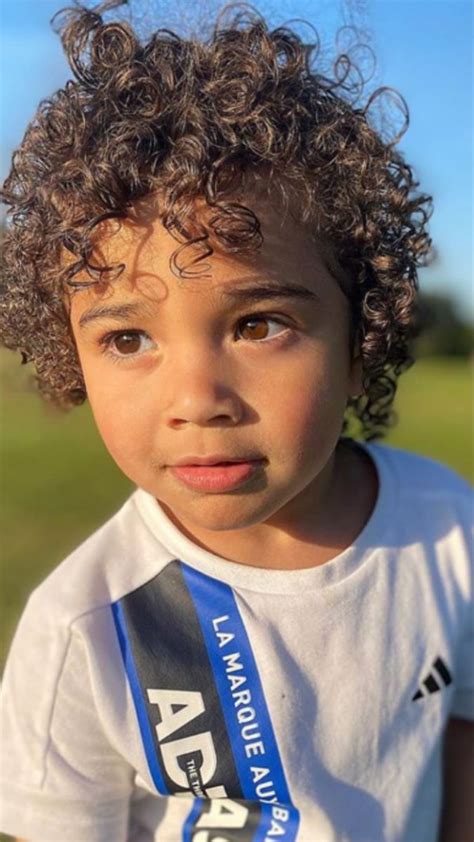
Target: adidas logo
{"points": [[438, 677]]}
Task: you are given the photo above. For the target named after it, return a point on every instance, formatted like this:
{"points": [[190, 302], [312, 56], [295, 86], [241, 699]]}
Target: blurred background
{"points": [[57, 482]]}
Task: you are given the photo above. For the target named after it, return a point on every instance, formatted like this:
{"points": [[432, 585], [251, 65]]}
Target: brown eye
{"points": [[127, 343], [254, 329], [257, 328]]}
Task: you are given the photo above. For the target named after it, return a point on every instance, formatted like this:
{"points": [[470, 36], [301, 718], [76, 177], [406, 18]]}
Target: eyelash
{"points": [[107, 340]]}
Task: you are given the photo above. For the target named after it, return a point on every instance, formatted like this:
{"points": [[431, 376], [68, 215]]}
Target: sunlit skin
{"points": [[188, 374]]}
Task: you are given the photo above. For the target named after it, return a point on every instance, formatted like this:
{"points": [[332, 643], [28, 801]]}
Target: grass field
{"points": [[58, 483]]}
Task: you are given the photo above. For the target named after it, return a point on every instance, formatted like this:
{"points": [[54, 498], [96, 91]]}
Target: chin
{"points": [[219, 513]]}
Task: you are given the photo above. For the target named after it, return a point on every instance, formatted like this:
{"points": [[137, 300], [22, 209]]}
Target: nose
{"points": [[197, 388]]}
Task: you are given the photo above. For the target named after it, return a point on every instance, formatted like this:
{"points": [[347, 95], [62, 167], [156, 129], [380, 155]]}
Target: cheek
{"points": [[123, 425], [314, 390], [311, 412]]}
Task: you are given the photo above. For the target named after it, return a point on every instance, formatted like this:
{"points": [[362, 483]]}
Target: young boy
{"points": [[270, 637]]}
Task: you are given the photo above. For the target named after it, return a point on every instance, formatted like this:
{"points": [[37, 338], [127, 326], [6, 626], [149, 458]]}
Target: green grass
{"points": [[58, 483], [435, 407]]}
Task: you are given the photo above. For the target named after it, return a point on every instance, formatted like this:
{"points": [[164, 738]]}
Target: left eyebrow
{"points": [[269, 290]]}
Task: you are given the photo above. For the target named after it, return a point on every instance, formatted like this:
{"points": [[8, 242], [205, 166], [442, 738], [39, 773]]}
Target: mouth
{"points": [[216, 476], [216, 459]]}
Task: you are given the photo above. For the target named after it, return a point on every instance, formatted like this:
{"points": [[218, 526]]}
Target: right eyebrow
{"points": [[114, 311]]}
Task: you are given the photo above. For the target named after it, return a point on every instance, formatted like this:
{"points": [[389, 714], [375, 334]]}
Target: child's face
{"points": [[190, 374]]}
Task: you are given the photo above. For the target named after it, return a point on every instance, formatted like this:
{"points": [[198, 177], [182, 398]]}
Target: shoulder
{"points": [[117, 558], [428, 513], [70, 609], [420, 477], [428, 500]]}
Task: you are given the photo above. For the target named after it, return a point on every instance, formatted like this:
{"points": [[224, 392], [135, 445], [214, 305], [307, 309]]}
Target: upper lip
{"points": [[213, 459]]}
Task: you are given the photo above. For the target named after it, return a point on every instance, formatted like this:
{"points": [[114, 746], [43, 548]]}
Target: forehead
{"points": [[289, 253]]}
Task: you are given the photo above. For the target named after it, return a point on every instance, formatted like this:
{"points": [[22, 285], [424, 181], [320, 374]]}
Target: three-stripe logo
{"points": [[437, 678]]}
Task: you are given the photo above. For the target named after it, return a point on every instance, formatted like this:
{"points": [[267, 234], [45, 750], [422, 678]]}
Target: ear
{"points": [[355, 384]]}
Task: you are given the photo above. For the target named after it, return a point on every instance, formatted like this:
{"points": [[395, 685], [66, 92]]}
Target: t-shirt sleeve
{"points": [[61, 779], [463, 697]]}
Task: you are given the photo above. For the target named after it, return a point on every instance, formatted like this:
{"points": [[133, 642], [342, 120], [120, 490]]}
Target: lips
{"points": [[216, 459], [212, 476]]}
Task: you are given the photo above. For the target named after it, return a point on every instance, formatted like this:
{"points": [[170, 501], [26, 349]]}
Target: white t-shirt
{"points": [[155, 691]]}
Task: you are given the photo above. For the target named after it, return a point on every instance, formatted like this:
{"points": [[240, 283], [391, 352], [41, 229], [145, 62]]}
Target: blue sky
{"points": [[423, 49]]}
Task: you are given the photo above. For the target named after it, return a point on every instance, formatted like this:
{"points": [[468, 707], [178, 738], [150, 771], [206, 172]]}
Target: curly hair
{"points": [[189, 118]]}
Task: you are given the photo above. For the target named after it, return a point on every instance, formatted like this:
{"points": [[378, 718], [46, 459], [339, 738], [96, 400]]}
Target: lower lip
{"points": [[215, 477]]}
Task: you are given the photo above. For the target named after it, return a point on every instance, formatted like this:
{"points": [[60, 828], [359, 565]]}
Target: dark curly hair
{"points": [[190, 118]]}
